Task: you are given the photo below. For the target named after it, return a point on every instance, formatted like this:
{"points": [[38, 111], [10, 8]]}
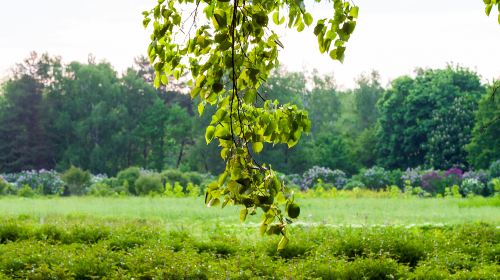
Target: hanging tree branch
{"points": [[236, 44]]}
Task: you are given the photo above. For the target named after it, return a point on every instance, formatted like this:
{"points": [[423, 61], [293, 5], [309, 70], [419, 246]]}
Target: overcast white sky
{"points": [[392, 36]]}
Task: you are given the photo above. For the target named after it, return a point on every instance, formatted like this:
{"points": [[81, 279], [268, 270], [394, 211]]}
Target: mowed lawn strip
{"points": [[189, 211]]}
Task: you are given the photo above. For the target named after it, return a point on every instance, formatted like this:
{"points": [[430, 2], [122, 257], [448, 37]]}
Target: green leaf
{"points": [[283, 243], [249, 96], [330, 35], [243, 214], [194, 92], [226, 201], [301, 27], [348, 27], [157, 81], [224, 153], [164, 79], [201, 108], [209, 133], [263, 228], [146, 22], [213, 202], [318, 29], [280, 198], [220, 17], [235, 173], [274, 230], [177, 74], [308, 19], [354, 12], [222, 133], [276, 18], [488, 9], [257, 147], [498, 17], [338, 54]]}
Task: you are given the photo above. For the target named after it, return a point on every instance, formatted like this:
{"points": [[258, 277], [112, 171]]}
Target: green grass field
{"points": [[180, 238], [340, 211]]}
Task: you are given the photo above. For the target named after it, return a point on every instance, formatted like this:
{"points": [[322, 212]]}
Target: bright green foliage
{"points": [[290, 88], [230, 54], [178, 190], [192, 190], [128, 177], [76, 180], [429, 119], [26, 191], [490, 4], [169, 192], [115, 248], [148, 183], [484, 147]]}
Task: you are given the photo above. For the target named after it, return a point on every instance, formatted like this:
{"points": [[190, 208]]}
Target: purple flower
{"points": [[430, 181], [457, 172]]}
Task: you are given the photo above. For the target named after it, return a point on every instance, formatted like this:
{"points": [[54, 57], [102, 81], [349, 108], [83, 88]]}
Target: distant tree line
{"points": [[55, 115]]}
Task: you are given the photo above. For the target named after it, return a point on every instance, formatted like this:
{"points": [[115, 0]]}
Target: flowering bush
{"points": [[454, 172], [335, 177], [47, 181], [480, 175], [413, 176], [433, 182], [453, 176], [94, 179], [374, 178], [472, 186]]}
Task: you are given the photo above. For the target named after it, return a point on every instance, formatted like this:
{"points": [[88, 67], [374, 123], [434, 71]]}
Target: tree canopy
{"points": [[427, 121]]}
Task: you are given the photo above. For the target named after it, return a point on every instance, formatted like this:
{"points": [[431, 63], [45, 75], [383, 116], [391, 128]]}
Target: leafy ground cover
{"points": [[168, 238]]}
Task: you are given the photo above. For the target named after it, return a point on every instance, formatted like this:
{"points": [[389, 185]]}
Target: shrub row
{"points": [[136, 181], [134, 251], [422, 182], [131, 181]]}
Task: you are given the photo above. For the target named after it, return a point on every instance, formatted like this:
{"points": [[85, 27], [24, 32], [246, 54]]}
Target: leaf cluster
{"points": [[230, 56], [490, 4]]}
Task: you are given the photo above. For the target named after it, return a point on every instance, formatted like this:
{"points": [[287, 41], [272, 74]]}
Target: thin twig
{"points": [[235, 81]]}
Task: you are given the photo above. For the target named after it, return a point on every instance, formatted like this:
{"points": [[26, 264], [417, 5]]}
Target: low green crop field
{"points": [[179, 238]]}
